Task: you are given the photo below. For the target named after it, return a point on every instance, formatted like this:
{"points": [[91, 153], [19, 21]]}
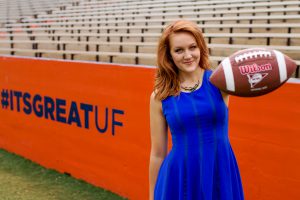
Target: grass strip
{"points": [[22, 179]]}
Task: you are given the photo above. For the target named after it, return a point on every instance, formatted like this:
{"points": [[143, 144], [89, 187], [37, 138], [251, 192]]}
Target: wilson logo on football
{"points": [[254, 68], [253, 72]]}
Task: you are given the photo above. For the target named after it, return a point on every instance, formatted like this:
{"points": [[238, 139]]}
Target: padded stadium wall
{"points": [[91, 120]]}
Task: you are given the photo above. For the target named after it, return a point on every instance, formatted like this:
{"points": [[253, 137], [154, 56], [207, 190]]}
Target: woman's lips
{"points": [[188, 62]]}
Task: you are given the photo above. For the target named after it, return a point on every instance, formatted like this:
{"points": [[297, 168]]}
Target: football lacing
{"points": [[253, 54]]}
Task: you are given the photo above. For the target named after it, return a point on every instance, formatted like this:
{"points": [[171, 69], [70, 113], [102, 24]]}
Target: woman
{"points": [[201, 164]]}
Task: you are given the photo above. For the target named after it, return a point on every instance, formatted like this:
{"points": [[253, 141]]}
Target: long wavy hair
{"points": [[166, 77]]}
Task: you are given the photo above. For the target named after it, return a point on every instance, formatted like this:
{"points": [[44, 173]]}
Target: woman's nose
{"points": [[187, 55]]}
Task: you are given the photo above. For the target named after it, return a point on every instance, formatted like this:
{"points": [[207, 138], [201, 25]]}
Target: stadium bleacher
{"points": [[15, 10], [127, 31]]}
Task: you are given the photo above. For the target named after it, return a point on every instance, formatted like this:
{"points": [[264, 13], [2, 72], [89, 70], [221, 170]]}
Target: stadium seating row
{"points": [[14, 10], [128, 31]]}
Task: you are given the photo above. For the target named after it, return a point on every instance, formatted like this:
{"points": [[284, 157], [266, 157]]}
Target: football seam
{"points": [[252, 54]]}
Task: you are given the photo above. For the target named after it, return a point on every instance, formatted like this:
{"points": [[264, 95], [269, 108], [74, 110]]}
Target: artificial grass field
{"points": [[21, 179]]}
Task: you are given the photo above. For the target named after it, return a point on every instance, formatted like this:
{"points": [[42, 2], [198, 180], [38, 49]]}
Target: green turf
{"points": [[21, 179]]}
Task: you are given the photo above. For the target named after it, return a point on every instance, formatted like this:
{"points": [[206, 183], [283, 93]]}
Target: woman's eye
{"points": [[193, 47], [178, 50]]}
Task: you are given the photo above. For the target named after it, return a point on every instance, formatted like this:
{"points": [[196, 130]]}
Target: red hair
{"points": [[166, 78]]}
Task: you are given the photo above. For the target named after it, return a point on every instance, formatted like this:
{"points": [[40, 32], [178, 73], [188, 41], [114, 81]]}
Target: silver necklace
{"points": [[191, 89]]}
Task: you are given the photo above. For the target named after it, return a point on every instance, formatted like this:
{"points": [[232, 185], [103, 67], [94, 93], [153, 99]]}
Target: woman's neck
{"points": [[190, 78]]}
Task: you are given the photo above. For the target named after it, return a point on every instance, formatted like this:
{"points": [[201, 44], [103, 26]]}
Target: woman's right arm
{"points": [[159, 141]]}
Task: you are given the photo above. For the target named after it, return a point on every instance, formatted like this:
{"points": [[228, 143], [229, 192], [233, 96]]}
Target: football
{"points": [[253, 72]]}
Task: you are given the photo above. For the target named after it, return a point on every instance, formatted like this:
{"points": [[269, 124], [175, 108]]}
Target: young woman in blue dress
{"points": [[201, 164]]}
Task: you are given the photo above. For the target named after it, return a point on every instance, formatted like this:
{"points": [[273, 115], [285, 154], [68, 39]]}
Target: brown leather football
{"points": [[253, 72]]}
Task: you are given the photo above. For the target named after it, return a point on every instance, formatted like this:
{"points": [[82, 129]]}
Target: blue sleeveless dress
{"points": [[201, 164]]}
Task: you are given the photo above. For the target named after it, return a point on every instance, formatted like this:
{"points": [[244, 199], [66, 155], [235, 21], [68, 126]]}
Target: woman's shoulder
{"points": [[153, 97], [209, 72], [155, 103], [213, 87]]}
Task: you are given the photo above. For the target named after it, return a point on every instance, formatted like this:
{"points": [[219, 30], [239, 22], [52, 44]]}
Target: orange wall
{"points": [[117, 162], [264, 130], [265, 134]]}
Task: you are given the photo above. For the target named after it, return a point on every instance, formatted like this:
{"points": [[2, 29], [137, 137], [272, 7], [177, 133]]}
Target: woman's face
{"points": [[184, 51]]}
